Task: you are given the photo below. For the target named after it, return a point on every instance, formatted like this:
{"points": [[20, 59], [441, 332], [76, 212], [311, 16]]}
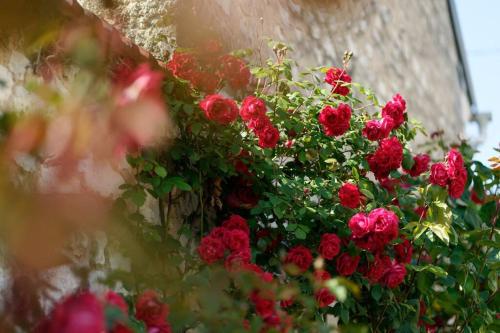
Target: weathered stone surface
{"points": [[146, 22]]}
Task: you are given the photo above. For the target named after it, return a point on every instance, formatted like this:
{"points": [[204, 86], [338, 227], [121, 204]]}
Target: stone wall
{"points": [[399, 45], [148, 23]]}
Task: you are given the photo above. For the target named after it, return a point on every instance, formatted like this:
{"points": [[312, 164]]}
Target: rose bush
{"points": [[311, 203]]}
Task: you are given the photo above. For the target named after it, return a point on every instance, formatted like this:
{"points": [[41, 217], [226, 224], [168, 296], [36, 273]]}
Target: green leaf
{"points": [[408, 161], [355, 175], [367, 194], [493, 281], [487, 211], [196, 128], [136, 195], [300, 233], [344, 315], [180, 184], [166, 187], [160, 171], [441, 231], [188, 108], [376, 292]]}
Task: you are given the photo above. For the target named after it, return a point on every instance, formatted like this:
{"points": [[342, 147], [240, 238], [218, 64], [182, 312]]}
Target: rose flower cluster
{"points": [[335, 121], [231, 239], [337, 78], [451, 173], [230, 242], [392, 118], [206, 69], [386, 158], [253, 112], [350, 196], [86, 312], [372, 232], [420, 165]]}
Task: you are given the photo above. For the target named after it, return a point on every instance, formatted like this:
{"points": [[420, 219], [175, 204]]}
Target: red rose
{"points": [[454, 160], [386, 158], [439, 174], [394, 276], [116, 300], [395, 109], [285, 303], [236, 261], [373, 231], [236, 222], [78, 313], [324, 297], [378, 129], [234, 71], [420, 165], [258, 124], [219, 109], [204, 81], [268, 137], [457, 184], [360, 225], [218, 232], [335, 121], [150, 309], [337, 77], [389, 183], [211, 249], [346, 265], [456, 173], [299, 256], [403, 251], [329, 246], [250, 267], [350, 196], [386, 225], [264, 304], [378, 268], [252, 107], [183, 65], [236, 240], [321, 275]]}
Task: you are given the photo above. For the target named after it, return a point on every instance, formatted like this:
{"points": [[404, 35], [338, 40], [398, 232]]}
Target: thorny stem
{"points": [[381, 317], [200, 195]]}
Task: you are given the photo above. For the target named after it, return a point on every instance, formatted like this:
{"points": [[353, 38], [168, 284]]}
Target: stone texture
{"points": [[146, 22]]}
